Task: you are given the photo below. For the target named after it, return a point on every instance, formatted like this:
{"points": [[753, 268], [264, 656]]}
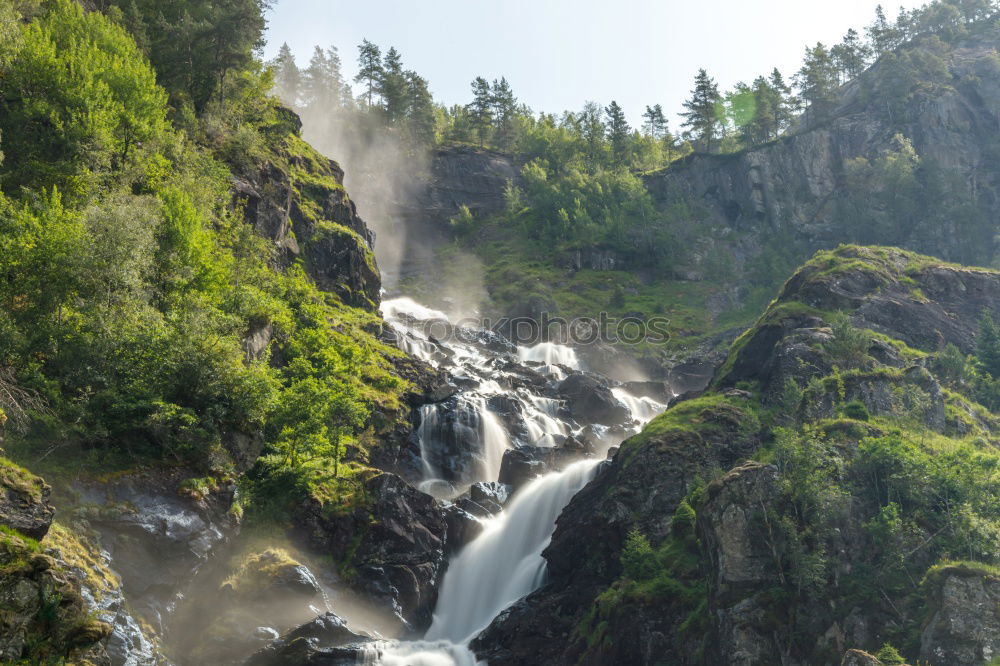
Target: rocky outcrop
{"points": [[324, 641], [743, 564], [43, 616], [907, 297], [464, 176], [859, 658], [157, 537], [790, 187], [964, 625], [640, 488], [394, 545], [296, 198], [24, 501], [591, 401]]}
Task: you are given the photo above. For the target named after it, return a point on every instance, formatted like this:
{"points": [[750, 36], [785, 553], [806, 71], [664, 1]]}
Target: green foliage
{"points": [[79, 102], [849, 346], [637, 559], [889, 655]]}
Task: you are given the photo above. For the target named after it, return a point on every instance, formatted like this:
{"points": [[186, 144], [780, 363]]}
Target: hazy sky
{"points": [[559, 53]]}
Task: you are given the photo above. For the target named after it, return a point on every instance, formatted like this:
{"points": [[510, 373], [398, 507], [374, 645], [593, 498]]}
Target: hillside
{"points": [[806, 505]]}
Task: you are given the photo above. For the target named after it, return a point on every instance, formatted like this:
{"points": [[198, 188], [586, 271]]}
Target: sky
{"points": [[557, 54]]}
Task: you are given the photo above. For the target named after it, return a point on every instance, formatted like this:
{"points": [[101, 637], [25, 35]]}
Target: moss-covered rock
{"points": [[24, 501]]}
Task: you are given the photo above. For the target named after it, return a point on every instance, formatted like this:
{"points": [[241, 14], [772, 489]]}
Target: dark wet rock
{"points": [[397, 539], [492, 491], [640, 488], [24, 501], [524, 464], [463, 526], [591, 401], [157, 538], [964, 626], [325, 641]]}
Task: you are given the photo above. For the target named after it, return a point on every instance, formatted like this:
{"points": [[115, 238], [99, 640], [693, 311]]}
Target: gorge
{"points": [[265, 399]]}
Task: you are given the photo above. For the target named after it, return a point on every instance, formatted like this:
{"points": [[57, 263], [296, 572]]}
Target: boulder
{"points": [[24, 501], [396, 538], [964, 625], [324, 641], [859, 658], [591, 401]]}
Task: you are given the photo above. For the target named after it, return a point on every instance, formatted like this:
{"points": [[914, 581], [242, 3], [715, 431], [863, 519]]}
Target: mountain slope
{"points": [[791, 512]]}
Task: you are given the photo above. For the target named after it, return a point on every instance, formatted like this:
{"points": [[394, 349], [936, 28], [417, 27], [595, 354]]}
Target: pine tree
{"points": [[504, 110], [393, 87], [784, 112], [881, 35], [369, 70], [702, 116], [287, 77], [655, 123], [850, 56], [618, 131], [481, 109], [420, 116], [817, 81]]}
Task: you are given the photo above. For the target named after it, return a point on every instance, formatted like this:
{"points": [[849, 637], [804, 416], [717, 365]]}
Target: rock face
{"points": [[641, 487], [592, 401], [742, 563], [280, 197], [904, 296], [465, 176], [24, 501], [964, 627], [396, 544], [157, 538], [790, 186]]}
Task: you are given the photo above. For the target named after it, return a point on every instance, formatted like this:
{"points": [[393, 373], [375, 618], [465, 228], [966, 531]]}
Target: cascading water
{"points": [[505, 562], [463, 440]]}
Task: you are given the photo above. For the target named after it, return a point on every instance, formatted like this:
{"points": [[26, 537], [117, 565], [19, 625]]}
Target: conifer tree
{"points": [[618, 131], [655, 123], [817, 80], [481, 109], [287, 77], [393, 87], [702, 116], [504, 109], [369, 70]]}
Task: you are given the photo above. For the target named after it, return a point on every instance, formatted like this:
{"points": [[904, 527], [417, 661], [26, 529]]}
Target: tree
{"points": [[194, 46], [850, 57], [881, 35], [655, 123], [393, 87], [481, 109], [618, 131], [369, 69], [323, 86], [817, 81], [784, 112], [702, 115], [591, 123], [504, 110], [420, 115], [287, 77]]}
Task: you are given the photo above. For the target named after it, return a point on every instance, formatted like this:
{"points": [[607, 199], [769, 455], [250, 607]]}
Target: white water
{"points": [[643, 409], [463, 441], [505, 562], [550, 353]]}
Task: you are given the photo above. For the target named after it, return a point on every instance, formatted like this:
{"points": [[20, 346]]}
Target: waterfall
{"points": [[462, 440], [505, 562], [643, 409], [550, 353]]}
